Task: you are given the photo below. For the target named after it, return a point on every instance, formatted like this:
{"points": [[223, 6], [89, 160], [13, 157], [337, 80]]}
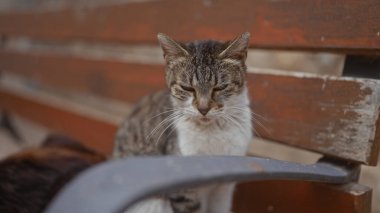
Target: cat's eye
{"points": [[187, 88], [221, 87]]}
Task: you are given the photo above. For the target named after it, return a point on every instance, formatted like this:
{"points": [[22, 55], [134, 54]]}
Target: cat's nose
{"points": [[203, 110]]}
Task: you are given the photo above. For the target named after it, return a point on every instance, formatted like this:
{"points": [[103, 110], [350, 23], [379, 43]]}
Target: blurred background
{"points": [[80, 69]]}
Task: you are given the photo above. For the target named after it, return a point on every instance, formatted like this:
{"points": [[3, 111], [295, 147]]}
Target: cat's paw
{"points": [[185, 202]]}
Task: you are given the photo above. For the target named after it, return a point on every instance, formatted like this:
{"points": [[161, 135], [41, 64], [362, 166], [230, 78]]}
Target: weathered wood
{"points": [[274, 24], [329, 115], [126, 81], [296, 196], [93, 132]]}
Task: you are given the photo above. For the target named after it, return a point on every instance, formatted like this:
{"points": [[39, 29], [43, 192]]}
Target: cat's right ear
{"points": [[237, 49], [172, 50]]}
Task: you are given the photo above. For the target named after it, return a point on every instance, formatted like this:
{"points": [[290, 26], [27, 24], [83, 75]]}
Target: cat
{"points": [[31, 178], [204, 111]]}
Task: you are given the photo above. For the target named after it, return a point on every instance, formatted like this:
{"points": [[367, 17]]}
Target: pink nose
{"points": [[203, 111]]}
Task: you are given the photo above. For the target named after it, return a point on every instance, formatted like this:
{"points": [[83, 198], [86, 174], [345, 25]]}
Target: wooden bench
{"points": [[335, 116]]}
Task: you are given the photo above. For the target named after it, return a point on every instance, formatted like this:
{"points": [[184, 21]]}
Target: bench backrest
{"points": [[335, 116], [293, 24]]}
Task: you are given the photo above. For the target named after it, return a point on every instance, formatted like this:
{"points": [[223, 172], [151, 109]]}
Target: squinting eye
{"points": [[220, 88], [186, 88]]}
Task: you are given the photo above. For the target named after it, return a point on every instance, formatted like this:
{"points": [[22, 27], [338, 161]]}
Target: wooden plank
{"points": [[295, 24], [93, 132], [105, 78], [297, 196], [329, 115]]}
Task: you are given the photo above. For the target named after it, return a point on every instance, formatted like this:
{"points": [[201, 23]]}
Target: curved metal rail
{"points": [[115, 185]]}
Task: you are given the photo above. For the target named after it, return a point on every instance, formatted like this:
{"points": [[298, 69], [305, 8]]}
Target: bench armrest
{"points": [[115, 185]]}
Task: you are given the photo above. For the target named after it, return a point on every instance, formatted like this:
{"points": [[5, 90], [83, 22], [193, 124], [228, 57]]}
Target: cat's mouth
{"points": [[205, 119]]}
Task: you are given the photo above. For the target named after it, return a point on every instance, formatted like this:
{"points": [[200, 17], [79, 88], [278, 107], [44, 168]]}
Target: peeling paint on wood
{"points": [[335, 116], [354, 138]]}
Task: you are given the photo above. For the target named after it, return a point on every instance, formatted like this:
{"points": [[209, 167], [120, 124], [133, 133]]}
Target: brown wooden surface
{"points": [[255, 197], [333, 116], [296, 196], [349, 25], [93, 132], [105, 78]]}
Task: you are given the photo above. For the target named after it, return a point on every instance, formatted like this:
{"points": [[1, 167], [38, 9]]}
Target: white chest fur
{"points": [[227, 141], [231, 138]]}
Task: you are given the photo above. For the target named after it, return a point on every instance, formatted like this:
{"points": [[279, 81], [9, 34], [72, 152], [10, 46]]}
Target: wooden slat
{"points": [[93, 132], [296, 196], [349, 25], [329, 115], [106, 78], [333, 116]]}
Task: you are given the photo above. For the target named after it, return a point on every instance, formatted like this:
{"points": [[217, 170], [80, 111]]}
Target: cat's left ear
{"points": [[237, 49], [172, 50]]}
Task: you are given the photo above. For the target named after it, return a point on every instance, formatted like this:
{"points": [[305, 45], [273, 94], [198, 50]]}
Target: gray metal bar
{"points": [[116, 185]]}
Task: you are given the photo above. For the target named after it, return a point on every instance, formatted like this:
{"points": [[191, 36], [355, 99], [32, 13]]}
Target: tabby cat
{"points": [[205, 112]]}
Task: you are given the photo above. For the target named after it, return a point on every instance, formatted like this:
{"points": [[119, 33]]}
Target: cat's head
{"points": [[205, 77]]}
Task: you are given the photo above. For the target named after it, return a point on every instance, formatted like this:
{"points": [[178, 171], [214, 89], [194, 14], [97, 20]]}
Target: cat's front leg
{"points": [[152, 205], [187, 201], [220, 198]]}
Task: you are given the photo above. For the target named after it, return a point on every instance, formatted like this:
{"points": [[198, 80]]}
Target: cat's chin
{"points": [[204, 120]]}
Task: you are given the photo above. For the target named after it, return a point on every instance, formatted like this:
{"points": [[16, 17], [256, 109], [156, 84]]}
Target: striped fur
{"points": [[204, 111]]}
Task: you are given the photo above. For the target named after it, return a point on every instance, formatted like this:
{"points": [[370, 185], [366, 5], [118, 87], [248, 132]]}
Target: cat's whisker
{"points": [[260, 124], [228, 119], [155, 129], [167, 119], [258, 115], [170, 110], [257, 121], [173, 122], [190, 112], [171, 131], [231, 119], [165, 125], [253, 118], [244, 109], [252, 128]]}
